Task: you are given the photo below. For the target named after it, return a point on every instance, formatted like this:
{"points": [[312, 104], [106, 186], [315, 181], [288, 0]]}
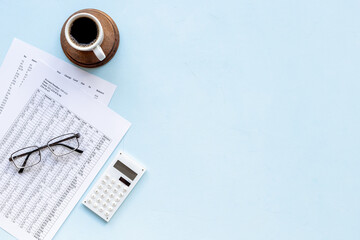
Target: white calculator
{"points": [[110, 191]]}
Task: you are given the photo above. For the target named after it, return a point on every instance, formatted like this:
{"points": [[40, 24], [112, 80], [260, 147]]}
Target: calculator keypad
{"points": [[107, 196]]}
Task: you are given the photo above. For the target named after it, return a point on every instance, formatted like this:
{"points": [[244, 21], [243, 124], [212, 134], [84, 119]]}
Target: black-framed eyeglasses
{"points": [[59, 146]]}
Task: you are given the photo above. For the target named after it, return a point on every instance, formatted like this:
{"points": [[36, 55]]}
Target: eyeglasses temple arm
{"points": [[24, 163], [76, 150], [27, 153]]}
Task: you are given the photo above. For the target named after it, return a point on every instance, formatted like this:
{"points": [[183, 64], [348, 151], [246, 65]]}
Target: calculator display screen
{"points": [[125, 170]]}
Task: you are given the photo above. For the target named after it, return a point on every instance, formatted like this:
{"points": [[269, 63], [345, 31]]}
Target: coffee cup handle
{"points": [[99, 53]]}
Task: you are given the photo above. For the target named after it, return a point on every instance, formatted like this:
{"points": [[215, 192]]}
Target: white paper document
{"points": [[22, 57], [35, 203]]}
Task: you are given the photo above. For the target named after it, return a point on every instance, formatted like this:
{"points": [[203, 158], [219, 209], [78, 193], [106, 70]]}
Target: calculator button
{"points": [[107, 176], [95, 205], [89, 201], [117, 199], [96, 191], [106, 214], [115, 190], [113, 181], [102, 195], [99, 187], [121, 194], [93, 196], [106, 191], [104, 204], [103, 181], [118, 186], [109, 186], [114, 204], [108, 200], [125, 189], [112, 195], [99, 200], [110, 209]]}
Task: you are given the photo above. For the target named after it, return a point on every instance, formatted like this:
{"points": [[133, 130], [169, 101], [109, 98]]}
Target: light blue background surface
{"points": [[246, 114]]}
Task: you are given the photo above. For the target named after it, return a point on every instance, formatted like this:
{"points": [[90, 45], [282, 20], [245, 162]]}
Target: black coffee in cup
{"points": [[84, 31]]}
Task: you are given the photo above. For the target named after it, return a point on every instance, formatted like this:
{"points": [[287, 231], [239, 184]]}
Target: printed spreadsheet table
{"points": [[21, 60], [54, 181]]}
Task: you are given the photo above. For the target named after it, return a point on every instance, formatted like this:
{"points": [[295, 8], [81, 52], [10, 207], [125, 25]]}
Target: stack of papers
{"points": [[42, 97]]}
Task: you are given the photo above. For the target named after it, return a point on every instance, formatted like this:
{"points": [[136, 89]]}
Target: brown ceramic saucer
{"points": [[109, 45]]}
